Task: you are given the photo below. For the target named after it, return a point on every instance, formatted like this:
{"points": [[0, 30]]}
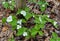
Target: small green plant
{"points": [[9, 5], [54, 37], [43, 5], [39, 20]]}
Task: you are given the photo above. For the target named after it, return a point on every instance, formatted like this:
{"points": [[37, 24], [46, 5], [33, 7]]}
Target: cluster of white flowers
{"points": [[18, 26], [9, 19], [23, 13], [19, 22], [25, 34]]}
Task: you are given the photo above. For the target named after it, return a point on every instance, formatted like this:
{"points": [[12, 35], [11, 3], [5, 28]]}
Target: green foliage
{"points": [[40, 21], [5, 4], [28, 15], [13, 23], [27, 9], [21, 31], [40, 33], [51, 39], [3, 20], [43, 5], [33, 32], [18, 12], [54, 37], [9, 5]]}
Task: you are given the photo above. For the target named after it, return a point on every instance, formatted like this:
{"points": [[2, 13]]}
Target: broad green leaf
{"points": [[58, 39], [40, 33], [38, 26], [21, 31], [3, 20], [23, 21], [18, 12], [28, 15], [52, 39], [11, 7], [36, 19], [54, 35], [6, 5], [33, 32], [13, 3], [27, 9]]}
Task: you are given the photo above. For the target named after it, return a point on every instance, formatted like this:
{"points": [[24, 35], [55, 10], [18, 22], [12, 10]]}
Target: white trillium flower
{"points": [[10, 1], [55, 23], [23, 13], [9, 19], [19, 22], [18, 26], [25, 34]]}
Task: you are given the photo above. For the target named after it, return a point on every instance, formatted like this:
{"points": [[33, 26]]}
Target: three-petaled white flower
{"points": [[23, 13], [19, 22], [9, 19], [25, 34], [18, 26], [55, 23]]}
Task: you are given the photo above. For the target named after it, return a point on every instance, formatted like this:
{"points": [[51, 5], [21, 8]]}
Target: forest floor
{"points": [[52, 10]]}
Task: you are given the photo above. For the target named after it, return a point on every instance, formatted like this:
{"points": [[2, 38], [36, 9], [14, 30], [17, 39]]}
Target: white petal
{"points": [[25, 34], [18, 26], [9, 19], [23, 13], [19, 22]]}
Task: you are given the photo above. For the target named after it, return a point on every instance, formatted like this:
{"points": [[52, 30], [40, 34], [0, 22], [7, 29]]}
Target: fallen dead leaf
{"points": [[5, 28]]}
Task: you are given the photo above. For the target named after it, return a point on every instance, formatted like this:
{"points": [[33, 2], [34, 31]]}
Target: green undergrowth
{"points": [[39, 20]]}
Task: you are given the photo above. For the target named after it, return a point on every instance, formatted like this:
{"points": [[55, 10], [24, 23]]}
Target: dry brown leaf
{"points": [[5, 28], [36, 11]]}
